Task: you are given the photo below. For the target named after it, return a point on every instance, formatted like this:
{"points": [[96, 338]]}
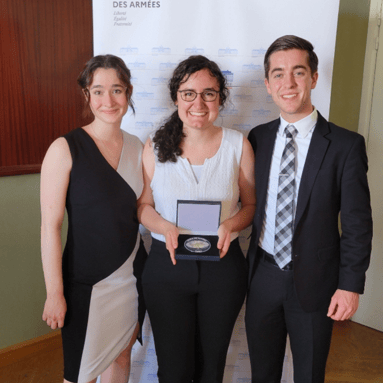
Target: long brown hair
{"points": [[168, 137]]}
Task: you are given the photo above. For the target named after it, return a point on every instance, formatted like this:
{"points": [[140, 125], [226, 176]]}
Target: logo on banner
{"points": [[243, 98], [261, 113], [194, 51], [227, 52], [258, 52], [246, 68], [229, 76], [161, 51], [245, 127]]}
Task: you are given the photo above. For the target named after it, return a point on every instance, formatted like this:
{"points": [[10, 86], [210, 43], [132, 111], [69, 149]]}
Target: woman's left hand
{"points": [[224, 235]]}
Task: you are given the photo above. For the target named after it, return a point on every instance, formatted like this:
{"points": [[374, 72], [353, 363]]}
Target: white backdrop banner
{"points": [[152, 37]]}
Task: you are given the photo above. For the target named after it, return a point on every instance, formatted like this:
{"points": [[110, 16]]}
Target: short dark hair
{"points": [[287, 42], [85, 78], [169, 136]]}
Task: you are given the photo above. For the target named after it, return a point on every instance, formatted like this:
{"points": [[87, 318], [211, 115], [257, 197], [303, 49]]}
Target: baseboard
{"points": [[14, 353]]}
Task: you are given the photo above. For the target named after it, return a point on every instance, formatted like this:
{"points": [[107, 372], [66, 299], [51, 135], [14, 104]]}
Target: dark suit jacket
{"points": [[334, 181]]}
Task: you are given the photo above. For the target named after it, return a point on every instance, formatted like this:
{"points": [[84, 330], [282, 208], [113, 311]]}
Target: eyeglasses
{"points": [[207, 95]]}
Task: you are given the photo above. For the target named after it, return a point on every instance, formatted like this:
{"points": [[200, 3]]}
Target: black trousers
{"points": [[272, 312], [192, 308]]}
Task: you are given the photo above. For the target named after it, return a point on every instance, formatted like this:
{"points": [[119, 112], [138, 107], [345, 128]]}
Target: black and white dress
{"points": [[103, 256]]}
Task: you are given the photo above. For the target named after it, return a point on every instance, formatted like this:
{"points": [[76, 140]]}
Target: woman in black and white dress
{"points": [[93, 288]]}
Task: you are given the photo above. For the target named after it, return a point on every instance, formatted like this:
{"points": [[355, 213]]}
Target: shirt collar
{"points": [[303, 126]]}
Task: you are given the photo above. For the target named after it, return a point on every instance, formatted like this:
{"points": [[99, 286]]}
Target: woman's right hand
{"points": [[171, 237], [54, 311]]}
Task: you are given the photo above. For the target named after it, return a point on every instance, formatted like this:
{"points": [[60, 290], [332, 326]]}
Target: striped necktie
{"points": [[285, 201]]}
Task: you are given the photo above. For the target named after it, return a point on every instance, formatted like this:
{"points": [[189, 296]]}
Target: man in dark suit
{"points": [[303, 273]]}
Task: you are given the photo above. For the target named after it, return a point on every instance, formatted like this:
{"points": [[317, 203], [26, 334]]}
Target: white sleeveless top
{"points": [[218, 182]]}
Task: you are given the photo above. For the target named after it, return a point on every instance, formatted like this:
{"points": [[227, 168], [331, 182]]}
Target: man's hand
{"points": [[343, 305]]}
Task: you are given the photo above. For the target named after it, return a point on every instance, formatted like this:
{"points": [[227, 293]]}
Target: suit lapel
{"points": [[317, 150]]}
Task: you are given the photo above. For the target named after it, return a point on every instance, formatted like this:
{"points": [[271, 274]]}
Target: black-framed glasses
{"points": [[207, 95]]}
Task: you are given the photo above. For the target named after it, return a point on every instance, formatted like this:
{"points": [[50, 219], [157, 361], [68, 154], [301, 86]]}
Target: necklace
{"points": [[110, 152]]}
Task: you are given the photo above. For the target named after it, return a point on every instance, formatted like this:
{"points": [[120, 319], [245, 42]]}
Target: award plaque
{"points": [[198, 223]]}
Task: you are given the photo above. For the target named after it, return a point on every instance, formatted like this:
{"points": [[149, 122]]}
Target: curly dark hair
{"points": [[85, 78], [288, 42], [168, 137]]}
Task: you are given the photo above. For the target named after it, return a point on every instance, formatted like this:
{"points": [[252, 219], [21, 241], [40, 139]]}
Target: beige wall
{"points": [[349, 60], [22, 287], [21, 280]]}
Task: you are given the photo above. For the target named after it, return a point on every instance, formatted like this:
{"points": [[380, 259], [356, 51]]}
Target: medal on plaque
{"points": [[198, 223]]}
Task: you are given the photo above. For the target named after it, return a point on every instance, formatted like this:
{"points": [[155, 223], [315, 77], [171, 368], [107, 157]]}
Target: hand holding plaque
{"points": [[198, 223]]}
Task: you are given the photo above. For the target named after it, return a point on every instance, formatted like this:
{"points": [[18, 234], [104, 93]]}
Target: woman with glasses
{"points": [[193, 304], [95, 172]]}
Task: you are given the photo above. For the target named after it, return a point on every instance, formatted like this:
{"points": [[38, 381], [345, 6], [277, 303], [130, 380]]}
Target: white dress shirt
{"points": [[305, 128]]}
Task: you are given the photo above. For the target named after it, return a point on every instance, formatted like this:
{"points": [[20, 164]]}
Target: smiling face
{"points": [[108, 100], [290, 82], [198, 114]]}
